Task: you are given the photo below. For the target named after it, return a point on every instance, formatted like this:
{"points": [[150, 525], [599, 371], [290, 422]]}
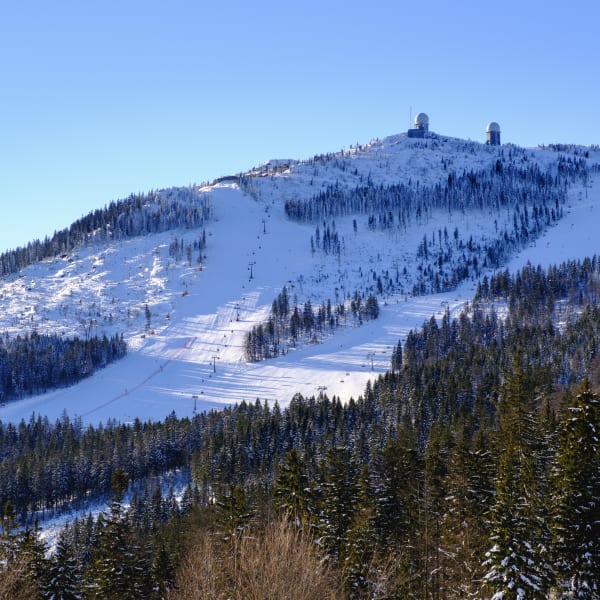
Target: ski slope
{"points": [[191, 356]]}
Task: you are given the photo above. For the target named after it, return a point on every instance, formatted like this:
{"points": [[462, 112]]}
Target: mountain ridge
{"points": [[189, 354]]}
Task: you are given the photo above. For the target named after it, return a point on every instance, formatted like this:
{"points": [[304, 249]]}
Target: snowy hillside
{"points": [[186, 299]]}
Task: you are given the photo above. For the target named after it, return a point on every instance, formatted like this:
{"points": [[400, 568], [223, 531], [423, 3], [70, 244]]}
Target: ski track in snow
{"points": [[193, 360]]}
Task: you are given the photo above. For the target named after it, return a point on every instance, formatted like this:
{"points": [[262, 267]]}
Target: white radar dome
{"points": [[421, 119]]}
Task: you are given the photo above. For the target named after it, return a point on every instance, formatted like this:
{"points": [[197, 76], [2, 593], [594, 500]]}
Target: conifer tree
{"points": [[436, 457], [64, 578], [8, 539], [163, 571], [16, 581], [32, 554], [398, 490], [517, 568], [360, 566], [466, 507], [337, 502], [396, 360], [292, 490], [576, 499], [398, 495], [119, 567], [233, 515]]}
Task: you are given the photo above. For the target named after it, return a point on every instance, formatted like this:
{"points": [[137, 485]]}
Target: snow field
{"points": [[190, 356]]}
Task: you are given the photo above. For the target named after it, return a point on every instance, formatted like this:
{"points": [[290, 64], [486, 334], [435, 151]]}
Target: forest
{"points": [[35, 363], [471, 469], [287, 326], [517, 195], [139, 214]]}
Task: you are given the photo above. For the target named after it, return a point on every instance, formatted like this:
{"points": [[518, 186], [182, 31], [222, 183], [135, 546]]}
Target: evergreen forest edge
{"points": [[472, 466], [470, 469]]}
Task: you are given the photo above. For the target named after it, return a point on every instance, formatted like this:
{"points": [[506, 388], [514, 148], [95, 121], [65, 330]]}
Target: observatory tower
{"points": [[492, 134], [421, 126]]}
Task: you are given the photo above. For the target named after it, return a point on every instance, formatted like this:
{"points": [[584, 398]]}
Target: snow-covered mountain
{"points": [[412, 222]]}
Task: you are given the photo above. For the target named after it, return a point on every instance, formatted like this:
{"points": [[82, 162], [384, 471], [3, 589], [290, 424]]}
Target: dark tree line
{"points": [[288, 325], [507, 508], [139, 214], [52, 466], [467, 470], [126, 552], [400, 205], [35, 363], [449, 368], [576, 283]]}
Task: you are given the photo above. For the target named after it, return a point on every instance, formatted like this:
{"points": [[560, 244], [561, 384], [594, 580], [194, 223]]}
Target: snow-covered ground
{"points": [[190, 355]]}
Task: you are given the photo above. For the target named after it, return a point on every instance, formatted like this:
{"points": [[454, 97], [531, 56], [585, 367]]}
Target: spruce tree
{"points": [[516, 562], [436, 457], [234, 514], [337, 502], [8, 538], [361, 545], [398, 489], [64, 578], [397, 504], [32, 554], [466, 510], [293, 492], [576, 499], [396, 361], [120, 566], [163, 571]]}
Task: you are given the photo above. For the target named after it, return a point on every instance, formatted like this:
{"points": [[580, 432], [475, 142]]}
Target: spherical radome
{"points": [[421, 120], [493, 126]]}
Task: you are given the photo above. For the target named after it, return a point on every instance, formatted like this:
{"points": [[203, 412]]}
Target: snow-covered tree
{"points": [[64, 578], [516, 562], [576, 499], [120, 566]]}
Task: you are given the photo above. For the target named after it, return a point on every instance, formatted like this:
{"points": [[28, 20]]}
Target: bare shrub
{"points": [[275, 563], [14, 582]]}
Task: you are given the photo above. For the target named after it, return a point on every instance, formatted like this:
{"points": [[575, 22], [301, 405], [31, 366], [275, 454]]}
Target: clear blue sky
{"points": [[103, 98]]}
